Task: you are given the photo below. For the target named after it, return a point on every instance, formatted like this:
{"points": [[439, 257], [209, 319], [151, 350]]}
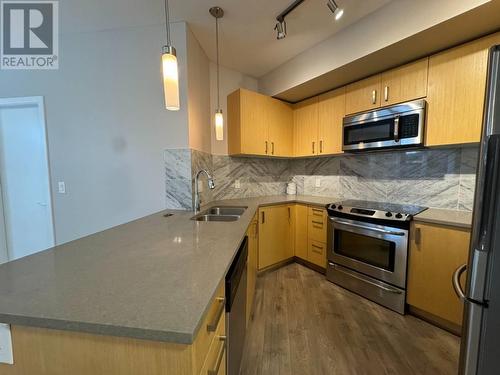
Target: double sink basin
{"points": [[221, 213]]}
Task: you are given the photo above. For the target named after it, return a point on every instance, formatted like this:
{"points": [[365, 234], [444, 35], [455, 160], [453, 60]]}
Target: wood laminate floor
{"points": [[303, 324]]}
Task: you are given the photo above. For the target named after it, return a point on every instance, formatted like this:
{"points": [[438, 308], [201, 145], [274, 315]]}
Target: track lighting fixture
{"points": [[338, 12], [280, 30]]}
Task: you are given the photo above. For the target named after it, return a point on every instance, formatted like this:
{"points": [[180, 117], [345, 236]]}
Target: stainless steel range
{"points": [[368, 249]]}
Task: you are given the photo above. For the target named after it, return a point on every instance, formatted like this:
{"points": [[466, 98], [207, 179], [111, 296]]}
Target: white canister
{"points": [[291, 188]]}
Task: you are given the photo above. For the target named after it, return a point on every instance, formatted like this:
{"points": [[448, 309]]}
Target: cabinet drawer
{"points": [[215, 361], [316, 253], [316, 229], [318, 213], [207, 332]]}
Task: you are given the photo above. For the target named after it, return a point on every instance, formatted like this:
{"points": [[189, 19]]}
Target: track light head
{"points": [[334, 8], [280, 30]]}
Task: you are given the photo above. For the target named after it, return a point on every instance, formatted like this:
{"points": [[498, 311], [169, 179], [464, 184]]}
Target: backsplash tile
{"points": [[440, 178]]}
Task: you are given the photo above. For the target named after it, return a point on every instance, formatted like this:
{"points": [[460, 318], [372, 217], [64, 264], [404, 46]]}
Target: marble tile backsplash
{"points": [[440, 178]]}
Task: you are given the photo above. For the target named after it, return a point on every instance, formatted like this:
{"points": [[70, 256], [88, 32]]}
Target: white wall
{"points": [[107, 125], [198, 95], [230, 80], [390, 24]]}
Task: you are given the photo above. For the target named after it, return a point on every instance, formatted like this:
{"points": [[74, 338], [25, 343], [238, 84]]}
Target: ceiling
{"points": [[248, 41]]}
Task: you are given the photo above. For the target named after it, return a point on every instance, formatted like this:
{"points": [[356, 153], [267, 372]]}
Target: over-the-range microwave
{"points": [[400, 125]]}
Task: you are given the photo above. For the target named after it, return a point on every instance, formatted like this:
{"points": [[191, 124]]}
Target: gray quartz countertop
{"points": [[152, 278], [461, 219]]}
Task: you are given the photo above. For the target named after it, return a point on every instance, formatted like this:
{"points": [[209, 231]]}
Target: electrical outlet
{"points": [[6, 345], [237, 184], [62, 187], [318, 182]]}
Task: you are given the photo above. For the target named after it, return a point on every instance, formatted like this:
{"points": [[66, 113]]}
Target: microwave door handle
{"points": [[368, 228], [396, 129]]}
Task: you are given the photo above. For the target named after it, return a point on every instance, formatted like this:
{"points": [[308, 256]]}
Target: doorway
{"points": [[26, 216]]}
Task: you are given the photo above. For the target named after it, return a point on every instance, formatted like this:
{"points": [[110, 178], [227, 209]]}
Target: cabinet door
{"points": [[305, 126], [363, 95], [331, 112], [253, 247], [405, 83], [455, 94], [274, 235], [280, 122], [301, 231], [435, 253]]}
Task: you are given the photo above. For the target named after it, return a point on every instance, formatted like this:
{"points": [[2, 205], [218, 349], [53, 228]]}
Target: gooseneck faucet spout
{"points": [[211, 185]]}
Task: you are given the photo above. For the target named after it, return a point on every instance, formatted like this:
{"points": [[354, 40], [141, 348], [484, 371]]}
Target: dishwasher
{"points": [[236, 308]]}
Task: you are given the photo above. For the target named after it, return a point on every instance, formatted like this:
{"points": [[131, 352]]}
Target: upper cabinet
{"points": [[363, 95], [455, 97], [405, 83], [259, 125], [305, 128], [331, 111], [408, 82]]}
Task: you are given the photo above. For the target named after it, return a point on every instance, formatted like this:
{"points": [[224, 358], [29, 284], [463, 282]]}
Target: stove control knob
{"points": [[399, 216], [388, 214], [333, 207], [340, 207]]}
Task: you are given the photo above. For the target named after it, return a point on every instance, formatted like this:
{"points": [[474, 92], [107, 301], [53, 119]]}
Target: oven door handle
{"points": [[368, 228], [390, 290]]}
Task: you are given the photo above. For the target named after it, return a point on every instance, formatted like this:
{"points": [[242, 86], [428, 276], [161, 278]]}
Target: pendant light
{"points": [[170, 69], [217, 12]]}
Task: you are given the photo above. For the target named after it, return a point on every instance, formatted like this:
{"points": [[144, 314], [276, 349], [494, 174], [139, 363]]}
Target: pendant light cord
{"points": [[167, 23], [217, 48]]}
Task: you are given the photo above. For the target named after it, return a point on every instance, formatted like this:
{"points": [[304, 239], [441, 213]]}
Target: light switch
{"points": [[200, 186], [62, 187], [6, 355], [237, 184], [318, 182]]}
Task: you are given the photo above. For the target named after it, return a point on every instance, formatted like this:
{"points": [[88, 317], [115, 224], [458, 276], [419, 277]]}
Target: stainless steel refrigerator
{"points": [[480, 348]]}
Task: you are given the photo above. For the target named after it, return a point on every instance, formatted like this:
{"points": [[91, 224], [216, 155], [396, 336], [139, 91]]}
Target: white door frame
{"points": [[37, 101]]}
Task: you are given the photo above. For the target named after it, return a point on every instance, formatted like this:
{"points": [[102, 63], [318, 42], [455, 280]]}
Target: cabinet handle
{"points": [[374, 96], [289, 214], [317, 222], [386, 93], [313, 144], [320, 147], [418, 236], [272, 148], [317, 212], [222, 349], [317, 247], [211, 327], [263, 217], [266, 147]]}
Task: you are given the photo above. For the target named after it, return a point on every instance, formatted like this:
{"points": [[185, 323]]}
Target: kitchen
{"points": [[318, 219]]}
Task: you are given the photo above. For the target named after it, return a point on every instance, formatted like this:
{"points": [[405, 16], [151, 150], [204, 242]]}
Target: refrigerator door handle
{"points": [[456, 282]]}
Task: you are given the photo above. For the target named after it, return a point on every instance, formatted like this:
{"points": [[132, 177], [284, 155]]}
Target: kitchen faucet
{"points": [[211, 185]]}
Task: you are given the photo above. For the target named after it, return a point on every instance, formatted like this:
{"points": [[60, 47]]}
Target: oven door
{"points": [[374, 250]]}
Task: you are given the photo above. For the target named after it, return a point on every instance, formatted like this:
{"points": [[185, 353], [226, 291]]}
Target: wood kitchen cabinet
{"points": [[363, 95], [275, 240], [252, 265], [259, 125], [435, 253], [305, 127], [455, 97], [408, 82], [331, 111], [300, 231]]}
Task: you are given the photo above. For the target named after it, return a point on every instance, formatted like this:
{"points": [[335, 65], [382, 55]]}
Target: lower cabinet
{"points": [[435, 253], [300, 230], [275, 235], [252, 265]]}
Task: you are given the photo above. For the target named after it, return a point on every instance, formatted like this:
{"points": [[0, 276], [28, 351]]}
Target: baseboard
{"points": [[310, 265], [436, 320]]}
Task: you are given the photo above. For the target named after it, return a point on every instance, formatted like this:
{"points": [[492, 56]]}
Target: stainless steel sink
{"points": [[226, 210], [208, 217], [220, 213]]}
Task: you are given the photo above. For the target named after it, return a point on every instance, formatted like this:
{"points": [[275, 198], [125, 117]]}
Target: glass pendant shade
{"points": [[170, 79], [219, 125]]}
